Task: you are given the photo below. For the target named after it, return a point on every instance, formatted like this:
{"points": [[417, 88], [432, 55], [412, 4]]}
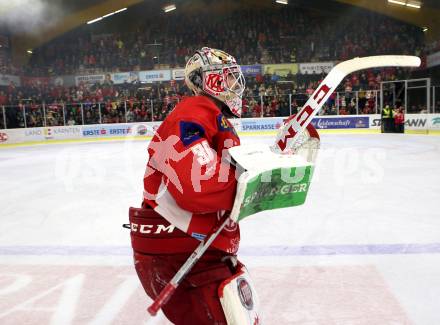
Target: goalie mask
{"points": [[217, 74]]}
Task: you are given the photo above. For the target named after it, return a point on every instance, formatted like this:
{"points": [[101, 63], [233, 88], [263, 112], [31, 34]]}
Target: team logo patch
{"points": [[214, 82], [245, 293], [190, 132], [231, 226], [224, 125], [222, 122]]}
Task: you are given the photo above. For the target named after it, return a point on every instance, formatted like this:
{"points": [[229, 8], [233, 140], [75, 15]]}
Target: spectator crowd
{"points": [[274, 35], [49, 105]]}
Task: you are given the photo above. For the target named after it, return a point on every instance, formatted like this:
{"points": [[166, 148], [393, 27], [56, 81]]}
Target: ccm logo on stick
{"points": [[303, 116], [321, 93]]}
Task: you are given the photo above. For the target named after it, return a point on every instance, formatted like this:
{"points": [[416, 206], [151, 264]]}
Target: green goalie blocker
{"points": [[271, 180], [279, 188]]}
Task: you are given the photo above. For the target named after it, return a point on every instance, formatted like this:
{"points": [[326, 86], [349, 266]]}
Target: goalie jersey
{"points": [[188, 179]]}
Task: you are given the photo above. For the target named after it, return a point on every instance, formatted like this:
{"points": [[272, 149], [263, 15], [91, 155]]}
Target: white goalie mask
{"points": [[217, 74]]}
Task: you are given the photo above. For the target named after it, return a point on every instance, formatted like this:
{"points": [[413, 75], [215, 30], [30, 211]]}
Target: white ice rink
{"points": [[364, 249]]}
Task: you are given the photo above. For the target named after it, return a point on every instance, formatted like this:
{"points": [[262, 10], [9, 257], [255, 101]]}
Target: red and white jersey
{"points": [[188, 179]]}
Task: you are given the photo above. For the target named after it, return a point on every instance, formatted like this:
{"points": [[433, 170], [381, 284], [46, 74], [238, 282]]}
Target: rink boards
{"points": [[414, 123]]}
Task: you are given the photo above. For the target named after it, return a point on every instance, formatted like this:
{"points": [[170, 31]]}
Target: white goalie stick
{"points": [[286, 138], [288, 135]]}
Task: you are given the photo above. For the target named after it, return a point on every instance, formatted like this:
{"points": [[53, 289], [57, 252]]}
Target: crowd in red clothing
{"points": [[88, 104], [134, 102]]}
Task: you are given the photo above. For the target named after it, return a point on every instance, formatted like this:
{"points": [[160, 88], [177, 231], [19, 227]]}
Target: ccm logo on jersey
{"points": [[151, 229]]}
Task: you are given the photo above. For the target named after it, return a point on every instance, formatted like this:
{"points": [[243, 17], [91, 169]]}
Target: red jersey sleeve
{"points": [[194, 139]]}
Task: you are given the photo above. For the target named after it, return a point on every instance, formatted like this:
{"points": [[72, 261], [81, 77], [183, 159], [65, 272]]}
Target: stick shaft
{"points": [[171, 287]]}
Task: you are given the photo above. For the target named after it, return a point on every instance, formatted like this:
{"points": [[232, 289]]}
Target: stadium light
{"points": [[413, 4], [29, 51], [402, 3], [408, 3], [424, 29], [283, 2], [169, 8], [105, 16], [94, 20]]}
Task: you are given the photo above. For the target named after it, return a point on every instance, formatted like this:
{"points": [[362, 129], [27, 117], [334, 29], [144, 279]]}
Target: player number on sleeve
{"points": [[203, 152]]}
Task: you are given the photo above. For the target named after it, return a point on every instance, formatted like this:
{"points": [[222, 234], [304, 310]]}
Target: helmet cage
{"points": [[226, 83], [218, 76], [223, 79]]}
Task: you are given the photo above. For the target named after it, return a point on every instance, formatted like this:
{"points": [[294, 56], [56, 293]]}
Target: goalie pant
{"points": [[160, 249]]}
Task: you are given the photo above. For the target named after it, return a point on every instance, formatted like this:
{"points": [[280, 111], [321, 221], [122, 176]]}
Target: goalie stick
{"points": [[286, 138]]}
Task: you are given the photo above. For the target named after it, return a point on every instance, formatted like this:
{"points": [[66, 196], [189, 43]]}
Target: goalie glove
{"points": [[307, 144]]}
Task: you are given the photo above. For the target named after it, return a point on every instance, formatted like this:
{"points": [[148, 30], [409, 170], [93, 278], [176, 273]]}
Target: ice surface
{"points": [[364, 249]]}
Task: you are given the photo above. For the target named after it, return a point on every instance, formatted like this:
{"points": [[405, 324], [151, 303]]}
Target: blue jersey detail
{"points": [[190, 132]]}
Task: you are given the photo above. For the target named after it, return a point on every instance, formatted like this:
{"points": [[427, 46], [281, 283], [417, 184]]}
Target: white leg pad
{"points": [[239, 299]]}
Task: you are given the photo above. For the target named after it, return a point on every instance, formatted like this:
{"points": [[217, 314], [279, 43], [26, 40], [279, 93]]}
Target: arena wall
{"points": [[414, 124]]}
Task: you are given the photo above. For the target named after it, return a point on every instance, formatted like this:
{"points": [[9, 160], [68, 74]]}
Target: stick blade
{"points": [[379, 61]]}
